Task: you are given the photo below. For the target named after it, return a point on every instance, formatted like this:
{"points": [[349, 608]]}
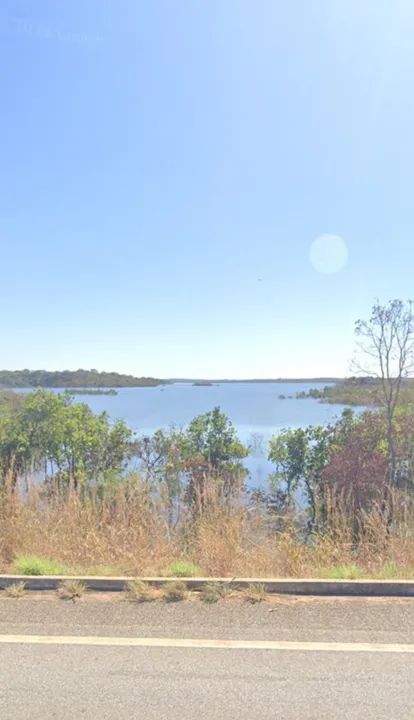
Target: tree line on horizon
{"points": [[73, 379]]}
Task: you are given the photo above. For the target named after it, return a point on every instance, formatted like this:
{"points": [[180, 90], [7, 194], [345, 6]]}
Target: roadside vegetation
{"points": [[71, 590], [182, 568], [339, 502], [15, 591], [174, 591], [255, 593], [140, 591], [36, 566]]}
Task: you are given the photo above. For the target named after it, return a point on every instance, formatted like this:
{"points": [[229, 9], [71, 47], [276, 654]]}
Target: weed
{"points": [[390, 570], [174, 591], [344, 572], [35, 565], [255, 593], [182, 568], [211, 593], [71, 590], [140, 591], [16, 590]]}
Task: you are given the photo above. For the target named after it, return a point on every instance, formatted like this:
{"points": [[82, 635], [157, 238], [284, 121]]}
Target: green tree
{"points": [[212, 449], [300, 455], [65, 441], [162, 464], [91, 446], [213, 438], [15, 451]]}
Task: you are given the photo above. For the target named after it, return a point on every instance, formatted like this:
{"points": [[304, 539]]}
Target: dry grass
{"points": [[255, 593], [140, 591], [127, 533], [71, 590], [15, 590], [174, 591], [212, 592]]}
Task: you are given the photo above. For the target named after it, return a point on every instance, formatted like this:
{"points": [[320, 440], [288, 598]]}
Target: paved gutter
{"points": [[282, 586]]}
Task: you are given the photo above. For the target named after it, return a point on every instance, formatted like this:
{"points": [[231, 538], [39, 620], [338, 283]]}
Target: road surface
{"points": [[290, 660]]}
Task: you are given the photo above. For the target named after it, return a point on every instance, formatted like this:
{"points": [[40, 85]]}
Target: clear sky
{"points": [[167, 164]]}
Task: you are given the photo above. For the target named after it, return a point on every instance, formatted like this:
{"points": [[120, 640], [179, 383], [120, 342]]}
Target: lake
{"points": [[255, 409]]}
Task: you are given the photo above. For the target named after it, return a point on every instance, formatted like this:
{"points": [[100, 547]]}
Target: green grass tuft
{"points": [[182, 568], [344, 572], [390, 570], [34, 565], [255, 593]]}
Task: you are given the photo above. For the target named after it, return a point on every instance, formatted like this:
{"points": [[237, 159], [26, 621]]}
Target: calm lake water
{"points": [[254, 408]]}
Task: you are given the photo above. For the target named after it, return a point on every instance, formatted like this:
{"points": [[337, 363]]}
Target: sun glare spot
{"points": [[328, 254]]}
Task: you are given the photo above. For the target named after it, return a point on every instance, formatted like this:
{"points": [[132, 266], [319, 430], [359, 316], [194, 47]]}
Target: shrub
{"points": [[34, 565], [174, 591], [140, 591], [212, 592]]}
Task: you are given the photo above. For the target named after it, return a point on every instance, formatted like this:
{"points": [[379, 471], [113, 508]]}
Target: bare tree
{"points": [[386, 352]]}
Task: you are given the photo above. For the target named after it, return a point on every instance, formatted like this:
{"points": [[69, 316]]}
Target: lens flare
{"points": [[328, 254]]}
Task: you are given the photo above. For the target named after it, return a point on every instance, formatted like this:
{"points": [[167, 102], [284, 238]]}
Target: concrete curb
{"points": [[283, 586]]}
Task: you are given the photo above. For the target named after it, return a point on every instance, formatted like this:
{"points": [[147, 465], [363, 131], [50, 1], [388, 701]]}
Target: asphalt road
{"points": [[112, 680]]}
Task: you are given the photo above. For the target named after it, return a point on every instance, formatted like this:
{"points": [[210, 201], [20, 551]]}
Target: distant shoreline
{"points": [[196, 383], [259, 380], [73, 379], [84, 379]]}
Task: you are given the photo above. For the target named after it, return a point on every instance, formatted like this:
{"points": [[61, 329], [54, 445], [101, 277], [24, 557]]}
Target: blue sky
{"points": [[166, 167]]}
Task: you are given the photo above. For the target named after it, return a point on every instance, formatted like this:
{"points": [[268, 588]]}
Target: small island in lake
{"points": [[202, 383]]}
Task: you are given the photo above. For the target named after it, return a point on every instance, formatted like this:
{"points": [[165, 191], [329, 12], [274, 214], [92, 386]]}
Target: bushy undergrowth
{"points": [[127, 531]]}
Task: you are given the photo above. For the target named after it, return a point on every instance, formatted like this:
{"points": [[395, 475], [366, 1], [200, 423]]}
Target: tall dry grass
{"points": [[128, 530]]}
